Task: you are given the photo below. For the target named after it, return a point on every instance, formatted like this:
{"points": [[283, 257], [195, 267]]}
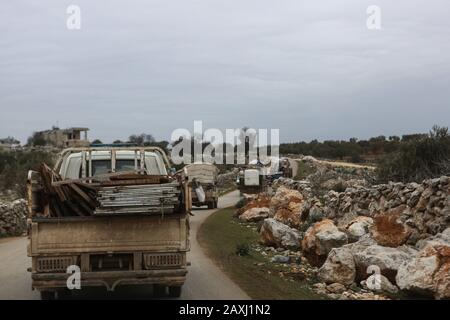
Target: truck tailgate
{"points": [[109, 234]]}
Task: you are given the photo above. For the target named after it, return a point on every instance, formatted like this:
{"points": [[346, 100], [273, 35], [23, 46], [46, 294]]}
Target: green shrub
{"points": [[242, 249], [418, 159], [14, 168]]}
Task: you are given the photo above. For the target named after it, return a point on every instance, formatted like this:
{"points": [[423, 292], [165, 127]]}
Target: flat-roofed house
{"points": [[66, 138]]}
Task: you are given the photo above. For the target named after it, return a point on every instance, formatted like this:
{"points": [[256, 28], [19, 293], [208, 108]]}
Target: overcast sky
{"points": [[310, 68]]}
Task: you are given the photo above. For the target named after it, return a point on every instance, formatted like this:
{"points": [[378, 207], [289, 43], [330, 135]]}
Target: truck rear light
{"points": [[154, 261], [55, 264]]}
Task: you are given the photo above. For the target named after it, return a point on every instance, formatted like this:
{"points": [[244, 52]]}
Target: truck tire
{"points": [[175, 291], [48, 295], [64, 294], [159, 290], [211, 205], [215, 204]]}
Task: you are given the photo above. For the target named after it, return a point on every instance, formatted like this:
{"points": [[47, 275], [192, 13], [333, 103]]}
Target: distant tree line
{"points": [[426, 156], [9, 140], [353, 150], [412, 157]]}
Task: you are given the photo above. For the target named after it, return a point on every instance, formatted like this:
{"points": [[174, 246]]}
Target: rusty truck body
{"points": [[138, 234]]}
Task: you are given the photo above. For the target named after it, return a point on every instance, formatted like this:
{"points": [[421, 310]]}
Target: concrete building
{"points": [[66, 138]]}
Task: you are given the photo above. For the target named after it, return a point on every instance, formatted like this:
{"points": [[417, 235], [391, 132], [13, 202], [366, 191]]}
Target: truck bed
{"points": [[108, 234]]}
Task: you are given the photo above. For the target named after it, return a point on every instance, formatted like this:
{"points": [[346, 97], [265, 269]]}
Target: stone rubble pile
{"points": [[366, 242], [303, 186], [226, 180], [13, 218]]}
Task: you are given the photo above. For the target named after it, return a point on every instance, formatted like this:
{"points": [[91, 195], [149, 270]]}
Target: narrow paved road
{"points": [[204, 281]]}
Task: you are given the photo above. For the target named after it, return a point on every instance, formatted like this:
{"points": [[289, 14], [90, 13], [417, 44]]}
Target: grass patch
{"points": [[304, 169], [232, 246]]}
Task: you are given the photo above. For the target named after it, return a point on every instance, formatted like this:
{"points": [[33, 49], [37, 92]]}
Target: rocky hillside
{"points": [[372, 242]]}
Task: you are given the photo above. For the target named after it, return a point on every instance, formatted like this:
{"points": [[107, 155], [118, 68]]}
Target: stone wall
{"points": [[424, 207], [13, 217], [303, 186]]}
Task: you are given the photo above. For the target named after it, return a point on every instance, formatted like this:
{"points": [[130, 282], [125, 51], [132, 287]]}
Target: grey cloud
{"points": [[310, 68]]}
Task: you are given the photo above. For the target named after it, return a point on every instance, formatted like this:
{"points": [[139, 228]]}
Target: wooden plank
{"points": [[75, 208], [91, 202], [60, 194]]}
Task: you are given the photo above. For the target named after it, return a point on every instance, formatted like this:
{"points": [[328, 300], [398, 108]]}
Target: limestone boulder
{"points": [[358, 227], [254, 214], [261, 200], [379, 284], [385, 260], [287, 206], [319, 239], [428, 273], [276, 234], [339, 267]]}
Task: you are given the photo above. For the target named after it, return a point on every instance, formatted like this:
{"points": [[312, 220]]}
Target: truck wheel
{"points": [[175, 291], [48, 295], [159, 290], [64, 294], [215, 204], [211, 205]]}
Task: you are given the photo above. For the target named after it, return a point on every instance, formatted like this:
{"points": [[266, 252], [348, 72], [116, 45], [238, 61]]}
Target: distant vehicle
{"points": [[202, 180], [256, 177], [137, 233], [251, 180]]}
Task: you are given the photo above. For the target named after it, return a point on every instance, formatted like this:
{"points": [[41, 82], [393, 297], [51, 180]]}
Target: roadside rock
{"points": [[255, 214], [379, 284], [319, 239], [339, 267], [388, 230], [336, 288], [277, 234], [320, 288], [287, 206], [358, 227], [428, 273], [303, 186], [439, 239], [386, 259], [259, 201], [280, 259]]}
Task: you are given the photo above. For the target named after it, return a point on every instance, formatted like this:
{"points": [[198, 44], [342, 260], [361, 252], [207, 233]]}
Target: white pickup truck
{"points": [[142, 240]]}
